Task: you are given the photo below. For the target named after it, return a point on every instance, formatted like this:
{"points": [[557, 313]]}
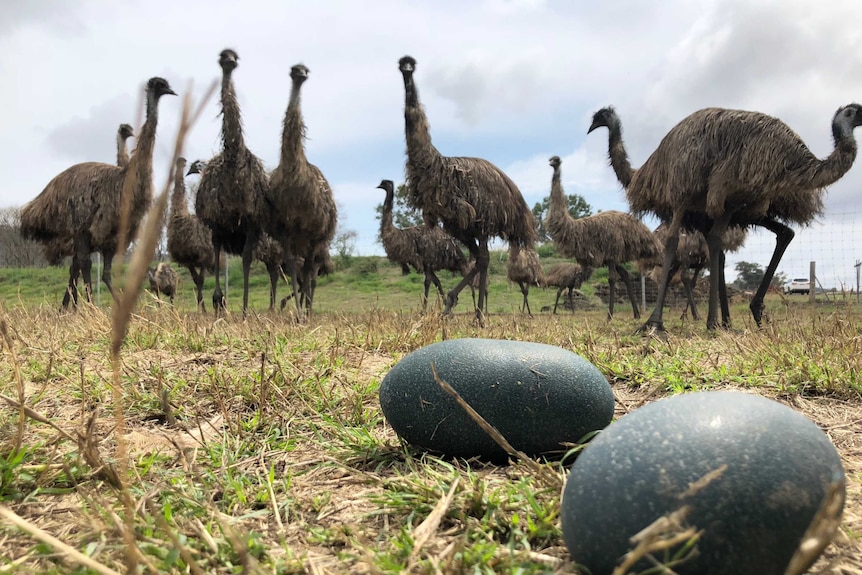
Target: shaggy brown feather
{"points": [[428, 249], [471, 197], [83, 203], [303, 214], [607, 239], [230, 197]]}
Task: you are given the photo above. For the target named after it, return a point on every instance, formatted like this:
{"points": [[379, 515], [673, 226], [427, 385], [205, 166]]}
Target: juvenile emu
{"points": [[163, 280], [524, 268], [566, 276], [427, 248]]}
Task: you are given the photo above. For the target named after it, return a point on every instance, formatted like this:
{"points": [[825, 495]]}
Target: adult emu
{"points": [[607, 239], [303, 214], [471, 197], [84, 204], [721, 168], [230, 196], [427, 248]]}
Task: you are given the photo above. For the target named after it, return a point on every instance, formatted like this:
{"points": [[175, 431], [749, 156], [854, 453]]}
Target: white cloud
{"points": [[513, 81]]}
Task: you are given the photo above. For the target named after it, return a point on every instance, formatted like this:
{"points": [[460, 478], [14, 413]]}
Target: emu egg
{"points": [[752, 471], [536, 395]]}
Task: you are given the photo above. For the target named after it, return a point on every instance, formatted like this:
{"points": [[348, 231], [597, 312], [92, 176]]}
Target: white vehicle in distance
{"points": [[797, 285]]}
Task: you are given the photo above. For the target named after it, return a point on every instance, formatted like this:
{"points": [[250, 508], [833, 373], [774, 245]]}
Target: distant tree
{"points": [[578, 208], [403, 216], [749, 275], [15, 251], [344, 246]]}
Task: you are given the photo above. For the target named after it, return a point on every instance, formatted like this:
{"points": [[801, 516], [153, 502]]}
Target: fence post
{"points": [[643, 292], [812, 276], [858, 266]]}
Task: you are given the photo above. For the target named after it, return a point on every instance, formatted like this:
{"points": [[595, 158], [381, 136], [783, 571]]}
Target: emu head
{"points": [[228, 60], [386, 185], [125, 131], [159, 87], [555, 162], [299, 73], [181, 164], [606, 117], [197, 167], [846, 118], [407, 65]]}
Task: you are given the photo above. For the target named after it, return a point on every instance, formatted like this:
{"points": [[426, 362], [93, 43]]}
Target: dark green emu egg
{"points": [[752, 472]]}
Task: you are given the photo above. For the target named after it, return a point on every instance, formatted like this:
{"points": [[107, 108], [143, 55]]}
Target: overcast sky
{"points": [[512, 81]]}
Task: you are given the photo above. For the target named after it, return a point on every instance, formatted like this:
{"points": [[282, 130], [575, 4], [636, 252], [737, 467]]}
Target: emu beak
{"points": [[593, 126], [169, 91]]}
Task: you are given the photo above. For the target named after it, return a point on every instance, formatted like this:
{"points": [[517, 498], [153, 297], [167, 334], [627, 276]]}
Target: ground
{"points": [[257, 444]]}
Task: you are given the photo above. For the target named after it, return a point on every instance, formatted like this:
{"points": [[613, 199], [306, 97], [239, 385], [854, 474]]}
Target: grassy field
{"points": [[257, 445]]}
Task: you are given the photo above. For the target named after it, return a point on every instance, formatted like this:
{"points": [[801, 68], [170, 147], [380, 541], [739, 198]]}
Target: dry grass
{"points": [[279, 460]]}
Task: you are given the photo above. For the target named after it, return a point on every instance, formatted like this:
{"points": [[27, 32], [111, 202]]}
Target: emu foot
{"points": [[652, 328], [480, 318], [757, 308], [451, 301]]}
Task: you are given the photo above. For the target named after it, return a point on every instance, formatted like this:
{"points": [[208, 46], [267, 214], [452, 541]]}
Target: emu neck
{"points": [[618, 157], [178, 197], [293, 133], [231, 128], [386, 224], [143, 160], [558, 205], [421, 153], [122, 151], [841, 159]]}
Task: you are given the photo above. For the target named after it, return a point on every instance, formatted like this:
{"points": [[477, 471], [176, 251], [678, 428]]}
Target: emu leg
{"points": [[482, 265], [82, 253], [689, 282], [557, 301], [655, 319], [627, 280], [425, 294], [612, 292], [525, 291], [247, 257], [274, 271], [72, 288], [715, 248], [452, 296], [309, 281], [783, 237], [107, 263], [219, 303], [198, 279], [722, 296]]}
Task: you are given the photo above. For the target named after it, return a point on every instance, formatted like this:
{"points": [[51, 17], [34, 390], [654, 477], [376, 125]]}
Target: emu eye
{"points": [[849, 112]]}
